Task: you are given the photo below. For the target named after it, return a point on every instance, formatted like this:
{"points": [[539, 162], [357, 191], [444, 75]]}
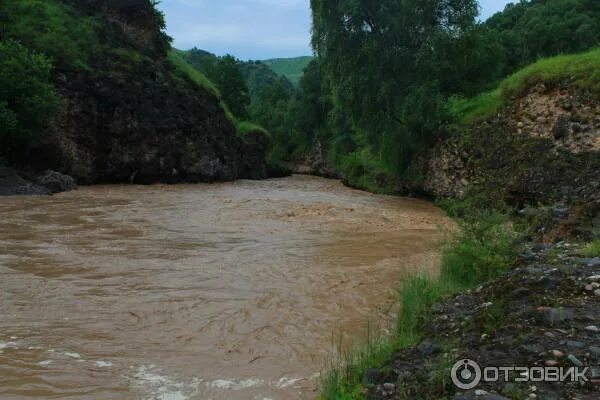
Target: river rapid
{"points": [[227, 291]]}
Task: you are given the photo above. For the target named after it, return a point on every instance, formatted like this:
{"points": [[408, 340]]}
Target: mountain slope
{"points": [[291, 68], [130, 110]]}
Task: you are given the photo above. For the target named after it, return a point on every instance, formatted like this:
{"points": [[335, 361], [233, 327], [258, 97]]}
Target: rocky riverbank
{"points": [[543, 313], [50, 182]]}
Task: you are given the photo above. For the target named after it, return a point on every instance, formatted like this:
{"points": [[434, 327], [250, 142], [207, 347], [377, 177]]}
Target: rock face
{"points": [[545, 148], [135, 119], [316, 163]]}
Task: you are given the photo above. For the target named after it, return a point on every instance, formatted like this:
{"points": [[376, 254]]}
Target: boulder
{"points": [[56, 182], [12, 184]]}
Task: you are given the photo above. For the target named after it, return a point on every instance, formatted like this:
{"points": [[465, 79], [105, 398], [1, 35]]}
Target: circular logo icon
{"points": [[466, 374]]}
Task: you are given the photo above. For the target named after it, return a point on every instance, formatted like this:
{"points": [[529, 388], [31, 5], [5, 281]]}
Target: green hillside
{"points": [[291, 68]]}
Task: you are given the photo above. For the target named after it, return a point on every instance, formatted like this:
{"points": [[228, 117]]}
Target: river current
{"points": [[227, 291]]}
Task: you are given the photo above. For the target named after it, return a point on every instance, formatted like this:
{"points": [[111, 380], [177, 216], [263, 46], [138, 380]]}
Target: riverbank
{"points": [[506, 296]]}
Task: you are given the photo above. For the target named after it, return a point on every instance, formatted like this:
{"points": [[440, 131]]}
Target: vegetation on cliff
{"points": [[28, 98], [105, 76]]}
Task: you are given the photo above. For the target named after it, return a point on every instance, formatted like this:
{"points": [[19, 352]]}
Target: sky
{"points": [[251, 29]]}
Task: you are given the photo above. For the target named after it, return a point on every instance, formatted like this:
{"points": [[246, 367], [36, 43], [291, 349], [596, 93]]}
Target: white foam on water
{"points": [[161, 387], [104, 364], [234, 384], [45, 362], [286, 382], [72, 355], [8, 345]]}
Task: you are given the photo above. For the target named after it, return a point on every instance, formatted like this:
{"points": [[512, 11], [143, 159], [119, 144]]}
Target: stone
{"points": [[520, 293], [595, 352], [389, 387], [561, 128], [594, 278], [597, 292], [573, 344], [429, 347], [593, 262], [372, 376], [561, 212], [557, 315], [529, 256], [11, 184], [56, 182], [551, 363], [574, 360], [592, 328], [558, 353]]}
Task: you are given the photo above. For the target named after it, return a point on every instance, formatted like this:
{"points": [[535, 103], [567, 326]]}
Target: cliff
{"points": [[127, 113]]}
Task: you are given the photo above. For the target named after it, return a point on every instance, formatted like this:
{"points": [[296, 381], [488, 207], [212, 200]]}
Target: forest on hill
{"points": [[383, 89]]}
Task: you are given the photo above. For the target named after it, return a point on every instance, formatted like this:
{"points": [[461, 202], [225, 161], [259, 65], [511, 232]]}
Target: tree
{"points": [[27, 96], [391, 63], [226, 74]]}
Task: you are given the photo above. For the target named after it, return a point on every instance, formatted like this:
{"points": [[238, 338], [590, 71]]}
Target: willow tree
{"points": [[392, 61]]}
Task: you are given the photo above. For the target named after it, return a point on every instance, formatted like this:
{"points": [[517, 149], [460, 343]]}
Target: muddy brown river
{"points": [[229, 291]]}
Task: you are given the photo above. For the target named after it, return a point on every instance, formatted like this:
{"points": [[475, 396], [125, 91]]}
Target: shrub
{"points": [[592, 249], [27, 97], [54, 28]]}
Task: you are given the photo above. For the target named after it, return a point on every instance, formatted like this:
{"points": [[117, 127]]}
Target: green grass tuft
{"points": [[591, 249], [186, 71], [579, 70]]}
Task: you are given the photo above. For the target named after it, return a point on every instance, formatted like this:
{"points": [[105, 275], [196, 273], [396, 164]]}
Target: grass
{"points": [[592, 249], [485, 248], [580, 70], [188, 72], [246, 127], [291, 68]]}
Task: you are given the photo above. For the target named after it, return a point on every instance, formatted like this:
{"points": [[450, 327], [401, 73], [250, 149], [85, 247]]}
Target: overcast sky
{"points": [[251, 29]]}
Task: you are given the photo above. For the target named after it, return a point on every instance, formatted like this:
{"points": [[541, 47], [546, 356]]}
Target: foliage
{"points": [[226, 73], [291, 68], [270, 110], [258, 75], [246, 127], [579, 70], [186, 71], [592, 249], [27, 97], [405, 57], [53, 28], [530, 30], [234, 91]]}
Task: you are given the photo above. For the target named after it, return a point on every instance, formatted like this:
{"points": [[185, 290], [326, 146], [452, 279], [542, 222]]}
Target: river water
{"points": [[228, 291]]}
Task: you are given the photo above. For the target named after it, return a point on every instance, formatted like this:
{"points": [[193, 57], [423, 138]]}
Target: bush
{"points": [[27, 96], [592, 249], [52, 27]]}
